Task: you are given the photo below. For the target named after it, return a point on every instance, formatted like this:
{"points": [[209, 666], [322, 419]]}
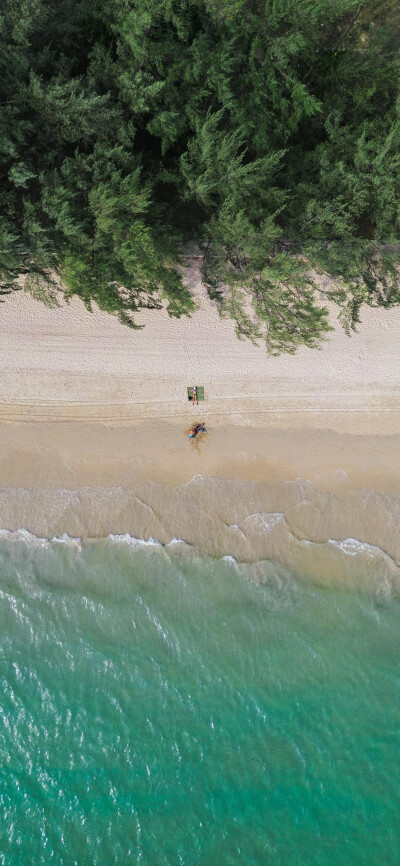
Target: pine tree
{"points": [[266, 129]]}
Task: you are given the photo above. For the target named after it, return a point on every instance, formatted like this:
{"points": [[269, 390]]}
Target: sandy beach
{"points": [[69, 363], [302, 452]]}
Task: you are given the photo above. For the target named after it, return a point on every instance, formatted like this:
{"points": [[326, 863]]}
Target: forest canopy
{"points": [[266, 130]]}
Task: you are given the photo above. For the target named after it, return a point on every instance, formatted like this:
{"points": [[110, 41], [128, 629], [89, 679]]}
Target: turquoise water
{"points": [[158, 708]]}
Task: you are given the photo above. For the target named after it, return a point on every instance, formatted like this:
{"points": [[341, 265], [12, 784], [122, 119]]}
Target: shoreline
{"points": [[317, 502]]}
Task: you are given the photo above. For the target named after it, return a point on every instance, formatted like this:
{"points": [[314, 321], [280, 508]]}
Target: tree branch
{"points": [[351, 25]]}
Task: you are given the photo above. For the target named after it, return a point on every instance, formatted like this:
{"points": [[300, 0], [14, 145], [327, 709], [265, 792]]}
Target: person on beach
{"points": [[197, 428], [195, 400]]}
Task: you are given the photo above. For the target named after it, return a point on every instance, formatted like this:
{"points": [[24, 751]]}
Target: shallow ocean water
{"points": [[158, 707]]}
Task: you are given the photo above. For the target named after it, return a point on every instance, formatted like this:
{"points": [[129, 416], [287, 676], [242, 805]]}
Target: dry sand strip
{"points": [[380, 412], [69, 364]]}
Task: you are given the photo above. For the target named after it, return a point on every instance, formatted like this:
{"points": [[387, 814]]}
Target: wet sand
{"points": [[314, 500]]}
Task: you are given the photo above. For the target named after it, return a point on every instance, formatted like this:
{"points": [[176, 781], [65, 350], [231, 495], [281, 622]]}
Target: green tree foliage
{"points": [[269, 130]]}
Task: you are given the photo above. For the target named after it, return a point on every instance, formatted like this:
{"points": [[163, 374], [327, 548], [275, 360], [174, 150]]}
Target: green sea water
{"points": [[157, 708]]}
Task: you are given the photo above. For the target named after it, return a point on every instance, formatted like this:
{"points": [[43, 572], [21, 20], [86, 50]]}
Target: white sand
{"points": [[69, 363]]}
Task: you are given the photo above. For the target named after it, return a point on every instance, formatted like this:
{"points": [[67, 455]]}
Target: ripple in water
{"points": [[159, 708]]}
